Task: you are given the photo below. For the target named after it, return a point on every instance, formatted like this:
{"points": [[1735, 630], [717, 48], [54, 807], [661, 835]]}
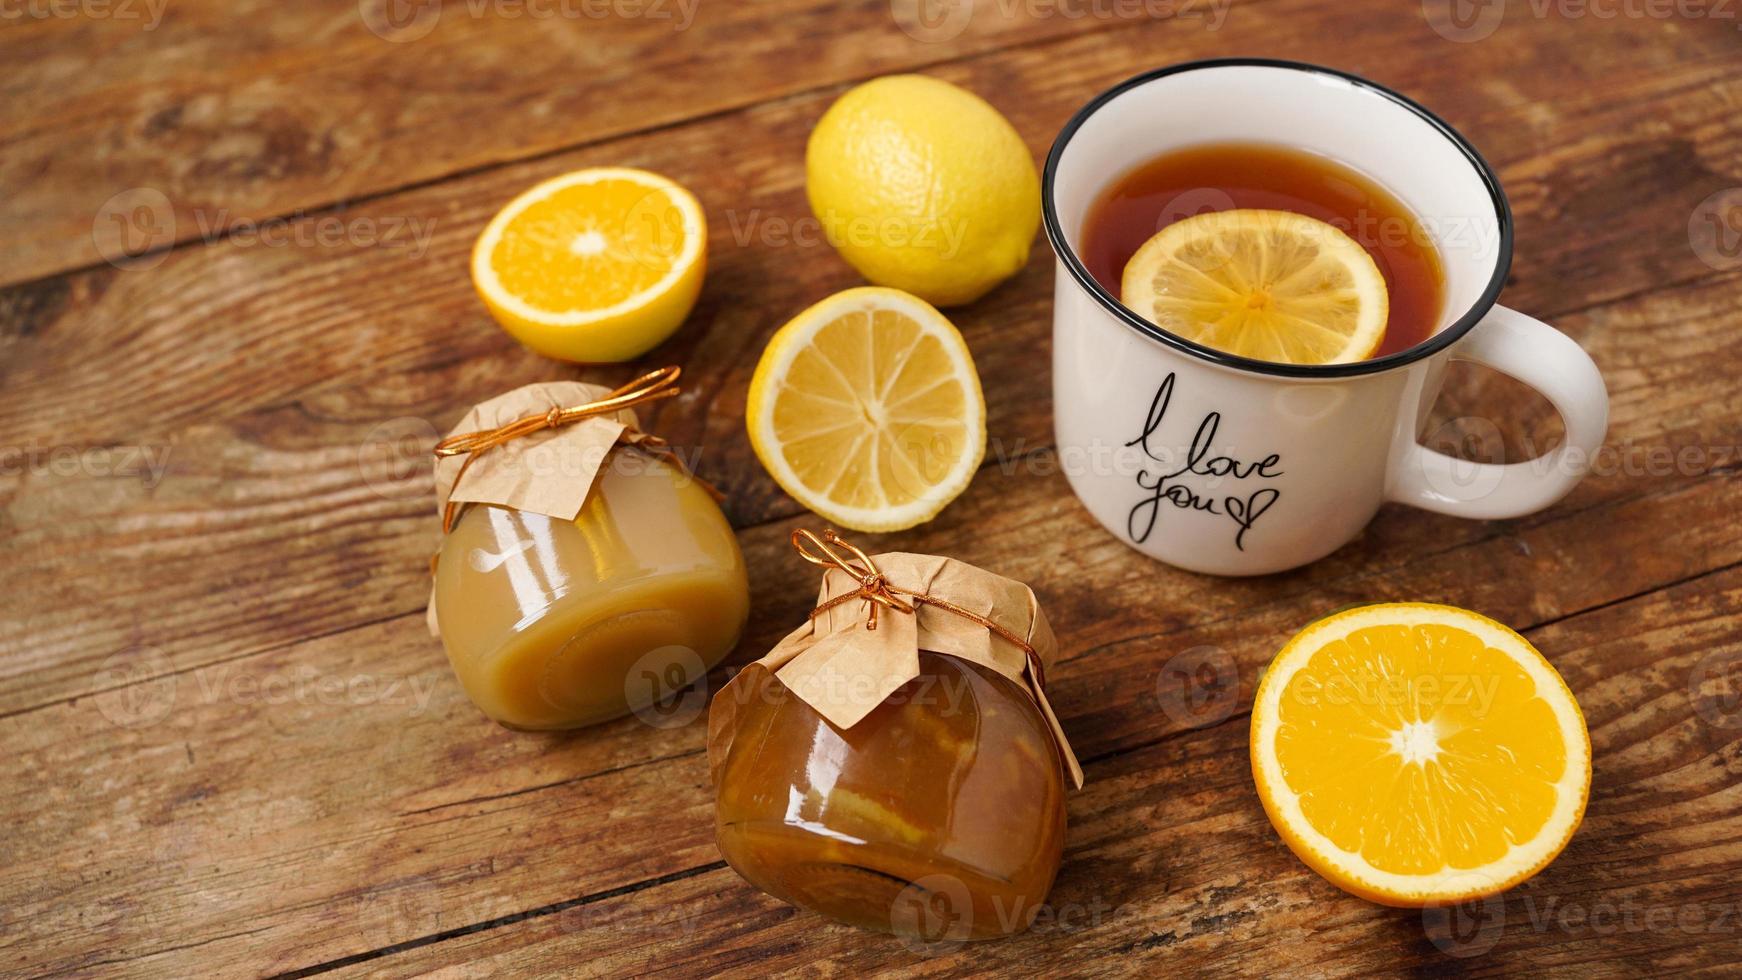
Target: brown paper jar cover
{"points": [[586, 576], [886, 777]]}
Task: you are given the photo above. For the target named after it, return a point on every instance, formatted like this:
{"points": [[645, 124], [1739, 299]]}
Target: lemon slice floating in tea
{"points": [[595, 265], [1416, 754], [1269, 285], [866, 408]]}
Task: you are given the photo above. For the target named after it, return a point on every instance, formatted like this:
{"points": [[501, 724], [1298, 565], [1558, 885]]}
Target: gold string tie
{"points": [[878, 593], [650, 387]]}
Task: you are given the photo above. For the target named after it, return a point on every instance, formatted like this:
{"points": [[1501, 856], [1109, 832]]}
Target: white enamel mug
{"points": [[1227, 465]]}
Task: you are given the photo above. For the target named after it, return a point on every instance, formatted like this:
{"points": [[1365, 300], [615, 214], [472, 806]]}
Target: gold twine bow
{"points": [[650, 387], [879, 593]]}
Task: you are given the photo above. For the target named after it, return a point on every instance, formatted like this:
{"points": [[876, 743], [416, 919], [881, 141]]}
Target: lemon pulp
{"points": [[1269, 285], [866, 408]]}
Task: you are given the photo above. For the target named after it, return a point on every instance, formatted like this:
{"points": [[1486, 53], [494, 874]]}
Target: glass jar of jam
{"points": [[938, 813], [555, 623]]}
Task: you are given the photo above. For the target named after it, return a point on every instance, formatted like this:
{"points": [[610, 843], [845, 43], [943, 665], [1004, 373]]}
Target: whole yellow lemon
{"points": [[923, 186]]}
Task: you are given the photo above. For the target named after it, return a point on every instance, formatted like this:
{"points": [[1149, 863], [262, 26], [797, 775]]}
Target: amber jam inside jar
{"points": [[557, 624], [947, 799]]}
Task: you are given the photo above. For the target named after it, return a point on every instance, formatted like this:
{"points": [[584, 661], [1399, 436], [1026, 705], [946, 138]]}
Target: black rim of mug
{"points": [[1433, 345]]}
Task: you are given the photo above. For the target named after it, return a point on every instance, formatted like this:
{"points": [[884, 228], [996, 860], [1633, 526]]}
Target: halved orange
{"points": [[1418, 754], [594, 265]]}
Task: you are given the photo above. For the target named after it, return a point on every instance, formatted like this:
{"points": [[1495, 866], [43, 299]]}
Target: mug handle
{"points": [[1545, 359]]}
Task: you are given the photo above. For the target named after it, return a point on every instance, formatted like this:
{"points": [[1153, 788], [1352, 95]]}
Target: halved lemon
{"points": [[1417, 754], [595, 265], [1269, 285], [866, 408]]}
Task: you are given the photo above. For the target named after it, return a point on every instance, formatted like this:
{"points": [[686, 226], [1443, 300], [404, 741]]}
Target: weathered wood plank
{"points": [[322, 535], [307, 784], [277, 323], [213, 114], [396, 811], [1170, 860], [277, 421]]}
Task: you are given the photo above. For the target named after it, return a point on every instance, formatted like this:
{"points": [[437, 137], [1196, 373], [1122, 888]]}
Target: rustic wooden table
{"points": [[236, 312]]}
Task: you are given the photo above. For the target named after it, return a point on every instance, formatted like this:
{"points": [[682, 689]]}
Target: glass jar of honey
{"points": [[908, 778], [559, 621]]}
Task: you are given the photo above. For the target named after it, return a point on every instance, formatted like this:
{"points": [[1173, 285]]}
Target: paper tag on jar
{"points": [[547, 472], [843, 669], [844, 675]]}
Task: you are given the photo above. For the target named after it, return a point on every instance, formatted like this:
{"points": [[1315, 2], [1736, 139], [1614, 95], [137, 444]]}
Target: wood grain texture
{"points": [[306, 376], [216, 115], [352, 765], [234, 749], [1170, 858], [366, 843], [278, 322]]}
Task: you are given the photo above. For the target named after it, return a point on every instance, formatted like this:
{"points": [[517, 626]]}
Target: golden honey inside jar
{"points": [[939, 813], [948, 798], [554, 623]]}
